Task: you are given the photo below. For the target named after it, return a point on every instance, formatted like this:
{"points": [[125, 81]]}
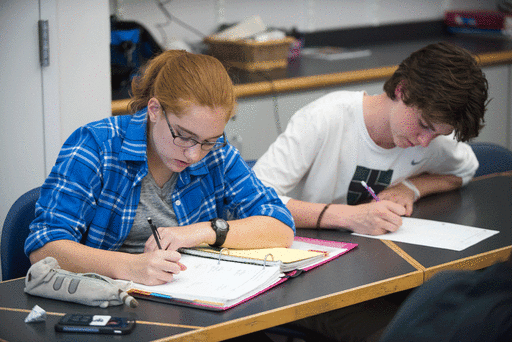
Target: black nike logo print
{"points": [[414, 162]]}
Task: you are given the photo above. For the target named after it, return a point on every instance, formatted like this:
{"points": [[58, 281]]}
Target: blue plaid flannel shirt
{"points": [[92, 193]]}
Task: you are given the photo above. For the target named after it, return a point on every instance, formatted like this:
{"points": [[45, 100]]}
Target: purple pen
{"points": [[370, 190]]}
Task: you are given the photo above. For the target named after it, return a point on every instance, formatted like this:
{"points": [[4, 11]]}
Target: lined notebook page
{"points": [[208, 280]]}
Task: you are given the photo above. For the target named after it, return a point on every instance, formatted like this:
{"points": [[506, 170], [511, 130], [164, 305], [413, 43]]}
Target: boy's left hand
{"points": [[399, 194]]}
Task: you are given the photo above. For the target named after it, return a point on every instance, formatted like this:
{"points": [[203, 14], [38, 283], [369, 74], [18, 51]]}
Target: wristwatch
{"points": [[221, 228]]}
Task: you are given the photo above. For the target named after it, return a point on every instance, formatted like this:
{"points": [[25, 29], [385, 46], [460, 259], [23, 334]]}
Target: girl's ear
{"points": [[154, 109]]}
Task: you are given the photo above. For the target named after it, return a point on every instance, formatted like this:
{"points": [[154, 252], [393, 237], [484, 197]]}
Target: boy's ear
{"points": [[399, 91]]}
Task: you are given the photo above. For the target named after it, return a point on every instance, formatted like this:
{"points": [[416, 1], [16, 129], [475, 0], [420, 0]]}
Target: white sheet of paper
{"points": [[207, 279], [436, 234]]}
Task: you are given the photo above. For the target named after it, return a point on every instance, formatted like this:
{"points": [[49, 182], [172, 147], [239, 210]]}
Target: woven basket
{"points": [[249, 54]]}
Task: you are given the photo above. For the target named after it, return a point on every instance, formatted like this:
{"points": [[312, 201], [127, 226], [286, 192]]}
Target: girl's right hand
{"points": [[156, 267]]}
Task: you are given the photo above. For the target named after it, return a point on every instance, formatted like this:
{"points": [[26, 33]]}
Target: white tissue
{"points": [[269, 35], [36, 315], [245, 29]]}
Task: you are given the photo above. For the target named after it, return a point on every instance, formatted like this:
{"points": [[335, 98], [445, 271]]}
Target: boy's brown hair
{"points": [[444, 82]]}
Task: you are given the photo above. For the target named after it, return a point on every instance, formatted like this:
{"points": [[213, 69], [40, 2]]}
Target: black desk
{"points": [[483, 203], [375, 268], [369, 271]]}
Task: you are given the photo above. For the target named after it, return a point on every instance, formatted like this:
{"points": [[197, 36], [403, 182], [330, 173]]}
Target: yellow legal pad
{"points": [[288, 258]]}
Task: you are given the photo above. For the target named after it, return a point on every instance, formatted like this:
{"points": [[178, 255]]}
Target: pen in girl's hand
{"points": [[370, 190], [156, 235]]}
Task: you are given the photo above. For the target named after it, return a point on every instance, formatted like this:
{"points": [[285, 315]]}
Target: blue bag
{"points": [[131, 46]]}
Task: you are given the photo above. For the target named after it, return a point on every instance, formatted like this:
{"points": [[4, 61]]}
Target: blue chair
{"points": [[493, 158], [15, 263]]}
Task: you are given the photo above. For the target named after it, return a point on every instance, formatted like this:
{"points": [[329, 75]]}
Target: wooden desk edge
{"points": [[271, 318], [404, 255], [474, 262], [326, 80]]}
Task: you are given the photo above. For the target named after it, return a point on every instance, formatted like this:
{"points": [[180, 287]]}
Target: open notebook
{"points": [[213, 282], [299, 256]]}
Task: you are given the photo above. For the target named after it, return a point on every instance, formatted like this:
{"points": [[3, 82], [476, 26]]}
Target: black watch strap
{"points": [[221, 228]]}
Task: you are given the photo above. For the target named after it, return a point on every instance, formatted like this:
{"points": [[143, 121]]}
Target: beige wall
{"points": [[306, 15]]}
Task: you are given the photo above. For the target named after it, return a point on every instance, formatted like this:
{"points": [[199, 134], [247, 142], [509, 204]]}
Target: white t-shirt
{"points": [[326, 151]]}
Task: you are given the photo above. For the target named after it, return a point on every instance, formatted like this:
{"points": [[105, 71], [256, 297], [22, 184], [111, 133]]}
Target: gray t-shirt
{"points": [[155, 202]]}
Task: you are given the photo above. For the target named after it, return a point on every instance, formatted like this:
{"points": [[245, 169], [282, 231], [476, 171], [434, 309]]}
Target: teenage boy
{"points": [[405, 143]]}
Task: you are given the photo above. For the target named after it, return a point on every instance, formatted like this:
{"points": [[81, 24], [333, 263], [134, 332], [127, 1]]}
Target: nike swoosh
{"points": [[413, 162]]}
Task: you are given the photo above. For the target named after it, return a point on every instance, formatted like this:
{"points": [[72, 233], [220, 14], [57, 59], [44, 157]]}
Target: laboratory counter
{"points": [[308, 72]]}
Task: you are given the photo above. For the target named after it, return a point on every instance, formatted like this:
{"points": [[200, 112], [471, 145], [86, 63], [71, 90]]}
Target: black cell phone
{"points": [[95, 324]]}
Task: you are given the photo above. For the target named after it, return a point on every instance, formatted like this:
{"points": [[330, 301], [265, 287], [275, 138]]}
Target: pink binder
{"points": [[332, 250]]}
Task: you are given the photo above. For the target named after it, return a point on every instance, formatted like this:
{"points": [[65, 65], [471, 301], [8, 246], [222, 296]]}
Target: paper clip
{"points": [[265, 260], [220, 254]]}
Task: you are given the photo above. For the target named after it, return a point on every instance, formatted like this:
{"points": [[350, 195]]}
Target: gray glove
{"points": [[46, 279]]}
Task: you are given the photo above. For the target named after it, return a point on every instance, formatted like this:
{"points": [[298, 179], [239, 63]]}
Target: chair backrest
{"points": [[15, 263], [492, 158]]}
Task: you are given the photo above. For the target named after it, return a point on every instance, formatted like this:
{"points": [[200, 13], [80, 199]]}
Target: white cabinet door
{"points": [[21, 102], [253, 128], [497, 117], [259, 120], [509, 101], [290, 103], [371, 87]]}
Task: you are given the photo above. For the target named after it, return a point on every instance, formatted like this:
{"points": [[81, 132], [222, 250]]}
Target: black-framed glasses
{"points": [[189, 142]]}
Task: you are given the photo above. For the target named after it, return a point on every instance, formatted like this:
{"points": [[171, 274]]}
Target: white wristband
{"points": [[413, 188]]}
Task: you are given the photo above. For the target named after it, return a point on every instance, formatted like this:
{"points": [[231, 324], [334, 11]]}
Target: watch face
{"points": [[221, 228], [221, 224]]}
